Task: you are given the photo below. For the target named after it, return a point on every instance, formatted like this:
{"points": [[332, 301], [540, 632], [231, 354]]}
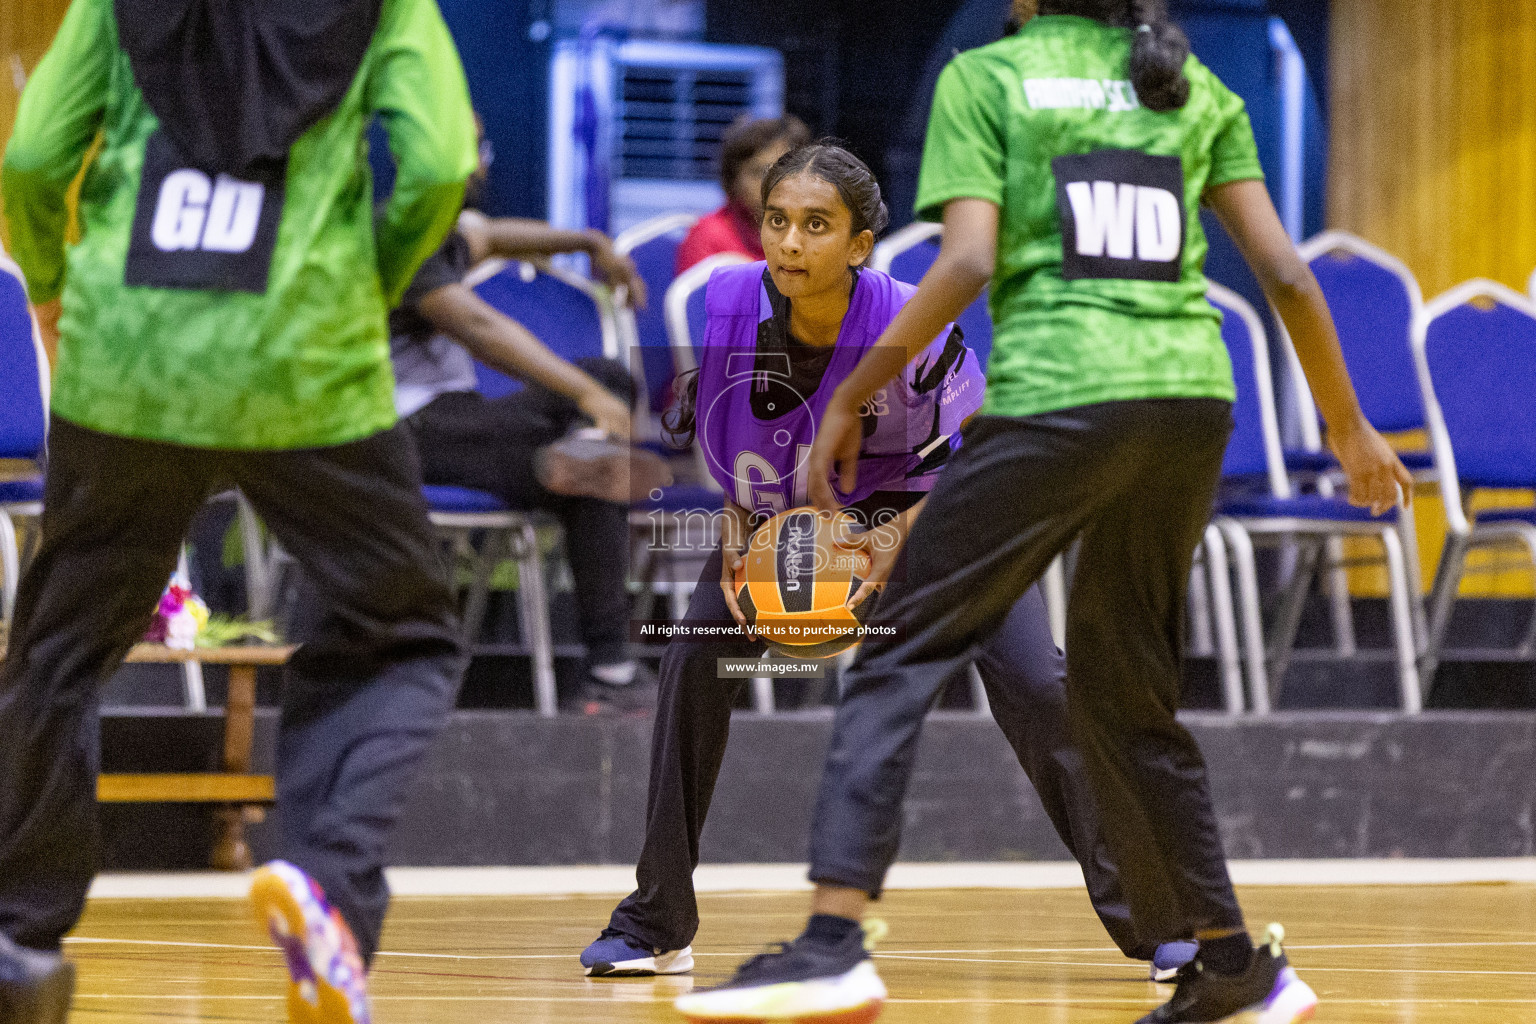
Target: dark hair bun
{"points": [[1157, 64], [1158, 53]]}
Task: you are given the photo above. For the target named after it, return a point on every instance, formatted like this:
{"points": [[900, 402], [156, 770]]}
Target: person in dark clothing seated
{"points": [[558, 445]]}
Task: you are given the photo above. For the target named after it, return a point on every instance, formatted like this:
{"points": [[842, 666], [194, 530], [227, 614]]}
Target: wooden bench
{"points": [[235, 786]]}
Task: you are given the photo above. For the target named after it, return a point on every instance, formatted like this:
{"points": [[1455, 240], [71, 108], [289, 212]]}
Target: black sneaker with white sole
{"points": [[35, 987], [805, 981], [1268, 992]]}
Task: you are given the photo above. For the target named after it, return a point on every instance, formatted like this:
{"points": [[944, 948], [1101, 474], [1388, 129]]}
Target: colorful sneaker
{"points": [[1269, 992], [616, 955], [328, 983], [35, 987], [1171, 958], [803, 982]]}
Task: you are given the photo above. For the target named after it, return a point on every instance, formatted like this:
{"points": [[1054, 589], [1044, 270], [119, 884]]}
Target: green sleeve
{"points": [[60, 112], [418, 90], [1234, 154], [963, 157]]}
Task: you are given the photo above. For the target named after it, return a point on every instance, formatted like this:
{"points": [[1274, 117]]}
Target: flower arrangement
{"points": [[178, 618]]}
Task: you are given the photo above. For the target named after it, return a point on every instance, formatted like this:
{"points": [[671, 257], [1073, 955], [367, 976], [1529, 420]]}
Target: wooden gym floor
{"points": [[1376, 955]]}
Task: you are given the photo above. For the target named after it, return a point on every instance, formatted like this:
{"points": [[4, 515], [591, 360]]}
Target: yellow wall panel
{"points": [[1434, 134], [26, 29], [1433, 157]]}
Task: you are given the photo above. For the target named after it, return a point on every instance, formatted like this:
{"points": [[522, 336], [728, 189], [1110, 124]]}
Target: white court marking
{"points": [[930, 955], [606, 880]]}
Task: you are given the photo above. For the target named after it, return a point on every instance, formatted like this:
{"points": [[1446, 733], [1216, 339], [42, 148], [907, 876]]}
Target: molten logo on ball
{"points": [[795, 584]]}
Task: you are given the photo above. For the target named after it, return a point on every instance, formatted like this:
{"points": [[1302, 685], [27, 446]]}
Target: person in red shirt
{"points": [[748, 149]]}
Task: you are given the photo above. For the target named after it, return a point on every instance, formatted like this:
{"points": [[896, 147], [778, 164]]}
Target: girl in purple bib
{"points": [[781, 335]]}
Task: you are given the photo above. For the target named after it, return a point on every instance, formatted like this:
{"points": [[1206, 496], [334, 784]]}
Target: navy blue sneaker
{"points": [[35, 987], [616, 955], [1171, 958], [804, 981], [1268, 992]]}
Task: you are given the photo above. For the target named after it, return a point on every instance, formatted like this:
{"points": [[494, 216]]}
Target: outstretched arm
{"points": [[520, 238], [501, 342], [964, 265], [1374, 470]]}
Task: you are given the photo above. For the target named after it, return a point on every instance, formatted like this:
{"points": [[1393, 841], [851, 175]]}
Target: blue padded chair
{"points": [[1476, 354], [652, 245], [1375, 301], [574, 317], [570, 314], [1274, 512], [23, 419], [908, 254]]}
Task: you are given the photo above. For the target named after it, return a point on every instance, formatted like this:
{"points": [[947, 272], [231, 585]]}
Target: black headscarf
{"points": [[236, 82]]}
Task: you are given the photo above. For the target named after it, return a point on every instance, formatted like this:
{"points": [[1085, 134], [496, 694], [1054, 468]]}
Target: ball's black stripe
{"points": [[795, 559]]}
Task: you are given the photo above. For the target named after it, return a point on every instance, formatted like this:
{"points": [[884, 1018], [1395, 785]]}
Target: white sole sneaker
{"points": [[852, 998], [679, 961], [1291, 1002]]}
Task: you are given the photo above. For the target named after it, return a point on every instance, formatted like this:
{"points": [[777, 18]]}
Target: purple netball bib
{"points": [[757, 417]]}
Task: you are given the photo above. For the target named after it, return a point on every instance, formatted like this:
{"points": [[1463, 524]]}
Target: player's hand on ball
{"points": [[731, 561], [838, 439], [1378, 480], [882, 544]]}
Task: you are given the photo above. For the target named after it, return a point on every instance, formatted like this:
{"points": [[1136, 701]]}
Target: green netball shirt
{"points": [[1099, 293], [209, 310]]}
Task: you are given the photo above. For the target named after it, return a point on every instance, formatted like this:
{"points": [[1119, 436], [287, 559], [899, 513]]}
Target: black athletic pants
{"points": [[468, 440], [364, 696], [1136, 481], [1023, 671]]}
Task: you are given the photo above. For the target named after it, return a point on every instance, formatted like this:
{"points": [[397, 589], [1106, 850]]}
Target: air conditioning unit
{"points": [[635, 126]]}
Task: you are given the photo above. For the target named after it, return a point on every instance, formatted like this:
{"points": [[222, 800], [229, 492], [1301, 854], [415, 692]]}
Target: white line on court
{"points": [[935, 955], [608, 880], [609, 1000]]}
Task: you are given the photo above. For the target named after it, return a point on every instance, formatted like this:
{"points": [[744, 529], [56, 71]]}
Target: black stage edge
{"points": [[512, 788]]}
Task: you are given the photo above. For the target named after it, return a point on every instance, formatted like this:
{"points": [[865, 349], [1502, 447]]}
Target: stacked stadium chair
{"points": [[24, 422], [1475, 351], [1273, 511]]}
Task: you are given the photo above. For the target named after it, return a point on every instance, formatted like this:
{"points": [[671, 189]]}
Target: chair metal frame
{"points": [[1266, 662], [1312, 438], [1464, 534], [515, 534], [909, 237]]}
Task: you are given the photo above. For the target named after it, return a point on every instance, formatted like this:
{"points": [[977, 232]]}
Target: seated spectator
{"points": [[747, 151], [520, 447]]}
